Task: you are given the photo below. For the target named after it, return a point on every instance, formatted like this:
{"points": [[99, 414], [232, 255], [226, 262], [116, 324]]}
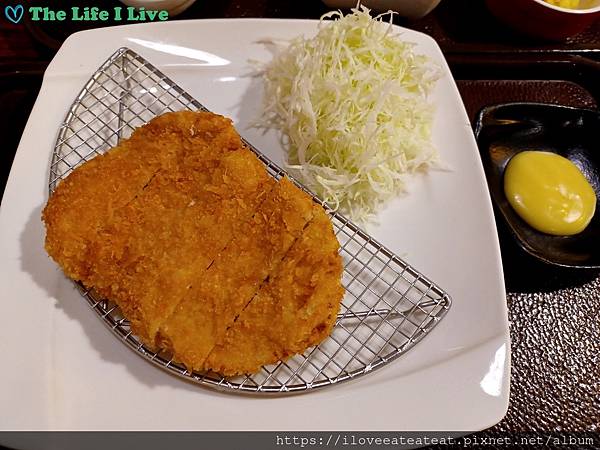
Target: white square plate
{"points": [[65, 370]]}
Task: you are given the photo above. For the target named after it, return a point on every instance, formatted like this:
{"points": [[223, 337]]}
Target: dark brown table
{"points": [[554, 313]]}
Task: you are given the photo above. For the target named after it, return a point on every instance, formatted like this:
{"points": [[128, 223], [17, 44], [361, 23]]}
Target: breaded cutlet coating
{"points": [[181, 225], [86, 200], [149, 255], [220, 294], [296, 309]]}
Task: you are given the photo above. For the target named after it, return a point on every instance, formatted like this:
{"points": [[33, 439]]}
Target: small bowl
{"points": [[412, 9], [540, 19], [507, 129]]}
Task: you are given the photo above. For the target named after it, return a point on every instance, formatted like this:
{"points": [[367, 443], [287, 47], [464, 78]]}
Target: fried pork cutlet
{"points": [[219, 295], [293, 311], [87, 199], [184, 229]]}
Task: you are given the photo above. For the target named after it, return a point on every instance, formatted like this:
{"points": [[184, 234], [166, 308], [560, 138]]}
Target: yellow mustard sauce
{"points": [[571, 4], [549, 192]]}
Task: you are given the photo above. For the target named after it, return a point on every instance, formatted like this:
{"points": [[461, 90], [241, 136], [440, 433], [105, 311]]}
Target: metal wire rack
{"points": [[388, 306]]}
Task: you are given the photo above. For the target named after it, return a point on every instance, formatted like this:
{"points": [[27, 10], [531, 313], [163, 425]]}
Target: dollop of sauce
{"points": [[570, 4], [549, 192]]}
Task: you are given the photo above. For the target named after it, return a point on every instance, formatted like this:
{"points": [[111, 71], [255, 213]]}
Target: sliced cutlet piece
{"points": [[220, 294], [296, 309], [85, 201], [157, 245]]}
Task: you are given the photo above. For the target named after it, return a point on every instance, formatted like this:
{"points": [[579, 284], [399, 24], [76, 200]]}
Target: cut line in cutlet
{"points": [[87, 198], [155, 247], [201, 319], [293, 310]]}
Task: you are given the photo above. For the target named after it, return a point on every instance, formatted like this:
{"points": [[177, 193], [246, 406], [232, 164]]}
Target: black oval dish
{"points": [[504, 130]]}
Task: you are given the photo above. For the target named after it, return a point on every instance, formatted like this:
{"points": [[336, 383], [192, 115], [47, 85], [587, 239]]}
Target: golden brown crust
{"points": [[181, 225], [149, 256], [87, 199], [296, 309], [218, 296]]}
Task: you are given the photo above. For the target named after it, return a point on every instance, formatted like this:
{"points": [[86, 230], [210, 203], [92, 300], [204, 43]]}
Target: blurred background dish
{"points": [[173, 6], [540, 19], [412, 9]]}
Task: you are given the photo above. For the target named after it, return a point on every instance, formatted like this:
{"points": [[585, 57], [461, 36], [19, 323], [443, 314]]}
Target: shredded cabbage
{"points": [[352, 103]]}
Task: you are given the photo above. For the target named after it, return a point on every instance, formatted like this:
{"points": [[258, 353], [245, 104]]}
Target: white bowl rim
{"points": [[153, 3], [569, 10]]}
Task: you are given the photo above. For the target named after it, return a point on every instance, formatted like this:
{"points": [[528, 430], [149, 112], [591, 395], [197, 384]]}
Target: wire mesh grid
{"points": [[388, 306]]}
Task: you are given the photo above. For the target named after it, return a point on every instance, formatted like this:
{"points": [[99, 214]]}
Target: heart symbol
{"points": [[14, 13]]}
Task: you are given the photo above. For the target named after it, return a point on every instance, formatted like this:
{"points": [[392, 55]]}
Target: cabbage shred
{"points": [[352, 103]]}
